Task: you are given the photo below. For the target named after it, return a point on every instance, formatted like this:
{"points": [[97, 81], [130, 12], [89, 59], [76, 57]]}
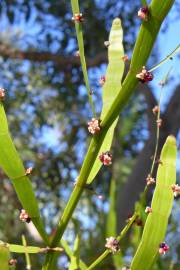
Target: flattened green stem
{"points": [[107, 251], [79, 33], [69, 252], [144, 44], [144, 3], [162, 202], [4, 258], [28, 249], [27, 257]]}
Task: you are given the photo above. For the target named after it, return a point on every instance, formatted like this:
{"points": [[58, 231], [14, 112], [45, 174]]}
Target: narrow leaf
{"points": [[111, 87], [157, 221], [13, 167]]}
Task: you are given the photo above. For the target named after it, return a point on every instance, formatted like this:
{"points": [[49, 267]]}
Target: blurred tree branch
{"points": [[60, 60]]}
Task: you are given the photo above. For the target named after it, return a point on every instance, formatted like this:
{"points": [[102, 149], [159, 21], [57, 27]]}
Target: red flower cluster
{"points": [[12, 262], [2, 94], [176, 190], [106, 158], [24, 217], [102, 80], [144, 76], [78, 17], [112, 244], [94, 126], [143, 13], [163, 248]]}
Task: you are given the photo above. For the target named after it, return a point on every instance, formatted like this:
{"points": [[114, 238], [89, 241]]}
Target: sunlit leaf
{"points": [[111, 87], [12, 165], [157, 221]]}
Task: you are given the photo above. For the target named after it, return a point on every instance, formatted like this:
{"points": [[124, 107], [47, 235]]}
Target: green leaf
{"points": [[162, 202], [4, 258], [79, 34], [13, 167], [111, 87], [70, 254], [74, 265]]}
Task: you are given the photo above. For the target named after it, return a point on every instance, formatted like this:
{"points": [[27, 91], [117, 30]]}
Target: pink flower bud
{"points": [[143, 13], [155, 110], [106, 158], [106, 44], [24, 217], [148, 210], [102, 80], [78, 17], [2, 94], [29, 171], [112, 244], [176, 190], [12, 262], [125, 58], [144, 76], [94, 126], [163, 248]]}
